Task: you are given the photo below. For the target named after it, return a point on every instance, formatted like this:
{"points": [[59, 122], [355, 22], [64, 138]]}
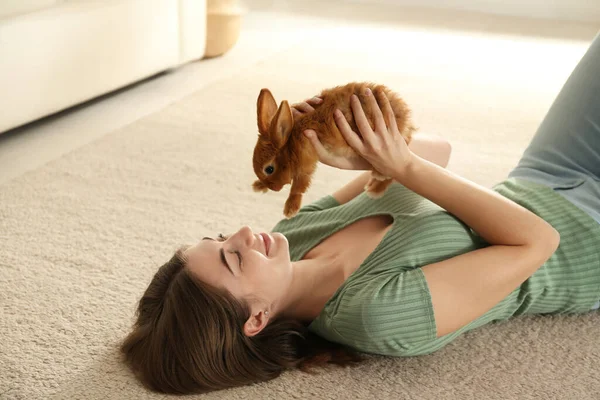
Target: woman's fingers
{"points": [[360, 118], [306, 106], [302, 108], [349, 135], [325, 156], [388, 112], [314, 101], [377, 115]]}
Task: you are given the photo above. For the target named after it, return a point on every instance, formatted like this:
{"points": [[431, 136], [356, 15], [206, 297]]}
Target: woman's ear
{"points": [[284, 122], [256, 323], [266, 107]]}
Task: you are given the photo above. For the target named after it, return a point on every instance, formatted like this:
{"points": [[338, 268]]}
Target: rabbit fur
{"points": [[283, 155]]}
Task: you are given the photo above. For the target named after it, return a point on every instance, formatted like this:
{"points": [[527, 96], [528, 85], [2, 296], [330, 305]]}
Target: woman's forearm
{"points": [[497, 219]]}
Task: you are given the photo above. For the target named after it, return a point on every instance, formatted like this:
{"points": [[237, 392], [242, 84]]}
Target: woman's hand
{"points": [[382, 149], [306, 106]]}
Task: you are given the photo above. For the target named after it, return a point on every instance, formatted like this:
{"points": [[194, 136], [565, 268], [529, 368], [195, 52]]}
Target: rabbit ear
{"points": [[284, 122], [266, 109]]}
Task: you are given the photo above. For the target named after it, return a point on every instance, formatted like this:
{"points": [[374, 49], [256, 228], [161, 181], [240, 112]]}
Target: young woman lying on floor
{"points": [[402, 275]]}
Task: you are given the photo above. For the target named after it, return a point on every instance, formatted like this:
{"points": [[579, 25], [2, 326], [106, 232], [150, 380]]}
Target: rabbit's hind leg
{"points": [[377, 185]]}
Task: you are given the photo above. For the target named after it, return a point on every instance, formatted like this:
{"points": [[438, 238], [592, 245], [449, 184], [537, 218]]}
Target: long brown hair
{"points": [[188, 338]]}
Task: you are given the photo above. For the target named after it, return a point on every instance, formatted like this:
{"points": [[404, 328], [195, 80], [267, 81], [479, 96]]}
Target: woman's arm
{"points": [[465, 287], [462, 288], [429, 147]]}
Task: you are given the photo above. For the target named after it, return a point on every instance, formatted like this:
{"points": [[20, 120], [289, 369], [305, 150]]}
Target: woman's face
{"points": [[252, 267]]}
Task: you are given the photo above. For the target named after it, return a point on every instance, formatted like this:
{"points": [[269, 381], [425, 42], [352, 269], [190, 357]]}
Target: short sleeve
{"points": [[390, 315]]}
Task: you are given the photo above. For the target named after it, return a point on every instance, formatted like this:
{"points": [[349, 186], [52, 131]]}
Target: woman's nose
{"points": [[245, 235]]}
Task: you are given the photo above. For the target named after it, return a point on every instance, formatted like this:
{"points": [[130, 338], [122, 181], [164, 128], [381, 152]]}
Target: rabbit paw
{"points": [[259, 186], [376, 175], [376, 188], [292, 205]]}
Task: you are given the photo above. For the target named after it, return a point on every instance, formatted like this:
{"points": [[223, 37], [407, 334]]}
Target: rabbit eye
{"points": [[269, 170]]}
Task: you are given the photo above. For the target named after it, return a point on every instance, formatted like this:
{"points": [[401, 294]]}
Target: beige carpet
{"points": [[81, 237]]}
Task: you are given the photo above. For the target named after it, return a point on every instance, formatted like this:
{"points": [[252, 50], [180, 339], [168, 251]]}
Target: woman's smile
{"points": [[266, 239]]}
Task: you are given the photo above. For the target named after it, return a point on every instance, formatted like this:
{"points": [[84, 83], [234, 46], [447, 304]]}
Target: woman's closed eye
{"points": [[239, 256], [222, 238]]}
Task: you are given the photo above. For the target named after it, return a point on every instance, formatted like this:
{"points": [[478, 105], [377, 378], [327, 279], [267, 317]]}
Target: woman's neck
{"points": [[314, 282]]}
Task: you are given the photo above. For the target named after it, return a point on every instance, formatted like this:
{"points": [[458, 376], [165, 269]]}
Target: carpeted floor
{"points": [[81, 236]]}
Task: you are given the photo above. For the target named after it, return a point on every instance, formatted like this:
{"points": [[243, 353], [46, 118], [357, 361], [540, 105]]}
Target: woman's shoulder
{"points": [[384, 313]]}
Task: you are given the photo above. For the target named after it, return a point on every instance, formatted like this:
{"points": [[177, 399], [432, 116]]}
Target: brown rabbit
{"points": [[283, 154]]}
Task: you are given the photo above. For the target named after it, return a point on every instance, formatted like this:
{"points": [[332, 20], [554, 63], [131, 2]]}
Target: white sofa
{"points": [[57, 53]]}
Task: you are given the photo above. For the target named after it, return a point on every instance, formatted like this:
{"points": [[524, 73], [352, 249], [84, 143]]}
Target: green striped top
{"points": [[385, 307]]}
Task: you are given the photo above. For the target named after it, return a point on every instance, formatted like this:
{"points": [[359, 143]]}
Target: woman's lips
{"points": [[267, 241]]}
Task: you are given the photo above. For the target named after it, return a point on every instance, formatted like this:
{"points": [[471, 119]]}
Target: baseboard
{"points": [[587, 11], [570, 10]]}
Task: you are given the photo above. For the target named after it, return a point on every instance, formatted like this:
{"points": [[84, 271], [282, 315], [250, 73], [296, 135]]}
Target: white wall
{"points": [[576, 10]]}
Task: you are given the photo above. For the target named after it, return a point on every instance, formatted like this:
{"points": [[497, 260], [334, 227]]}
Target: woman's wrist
{"points": [[407, 167]]}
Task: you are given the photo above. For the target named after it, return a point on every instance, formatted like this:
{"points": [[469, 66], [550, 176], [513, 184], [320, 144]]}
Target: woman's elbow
{"points": [[445, 152], [433, 148], [547, 243], [553, 240], [442, 149]]}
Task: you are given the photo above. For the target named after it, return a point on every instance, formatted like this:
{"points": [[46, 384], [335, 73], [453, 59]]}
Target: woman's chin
{"points": [[280, 239], [281, 245]]}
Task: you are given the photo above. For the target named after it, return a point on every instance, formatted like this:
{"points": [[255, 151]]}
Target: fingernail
{"points": [[308, 134], [338, 113], [368, 92], [354, 97]]}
